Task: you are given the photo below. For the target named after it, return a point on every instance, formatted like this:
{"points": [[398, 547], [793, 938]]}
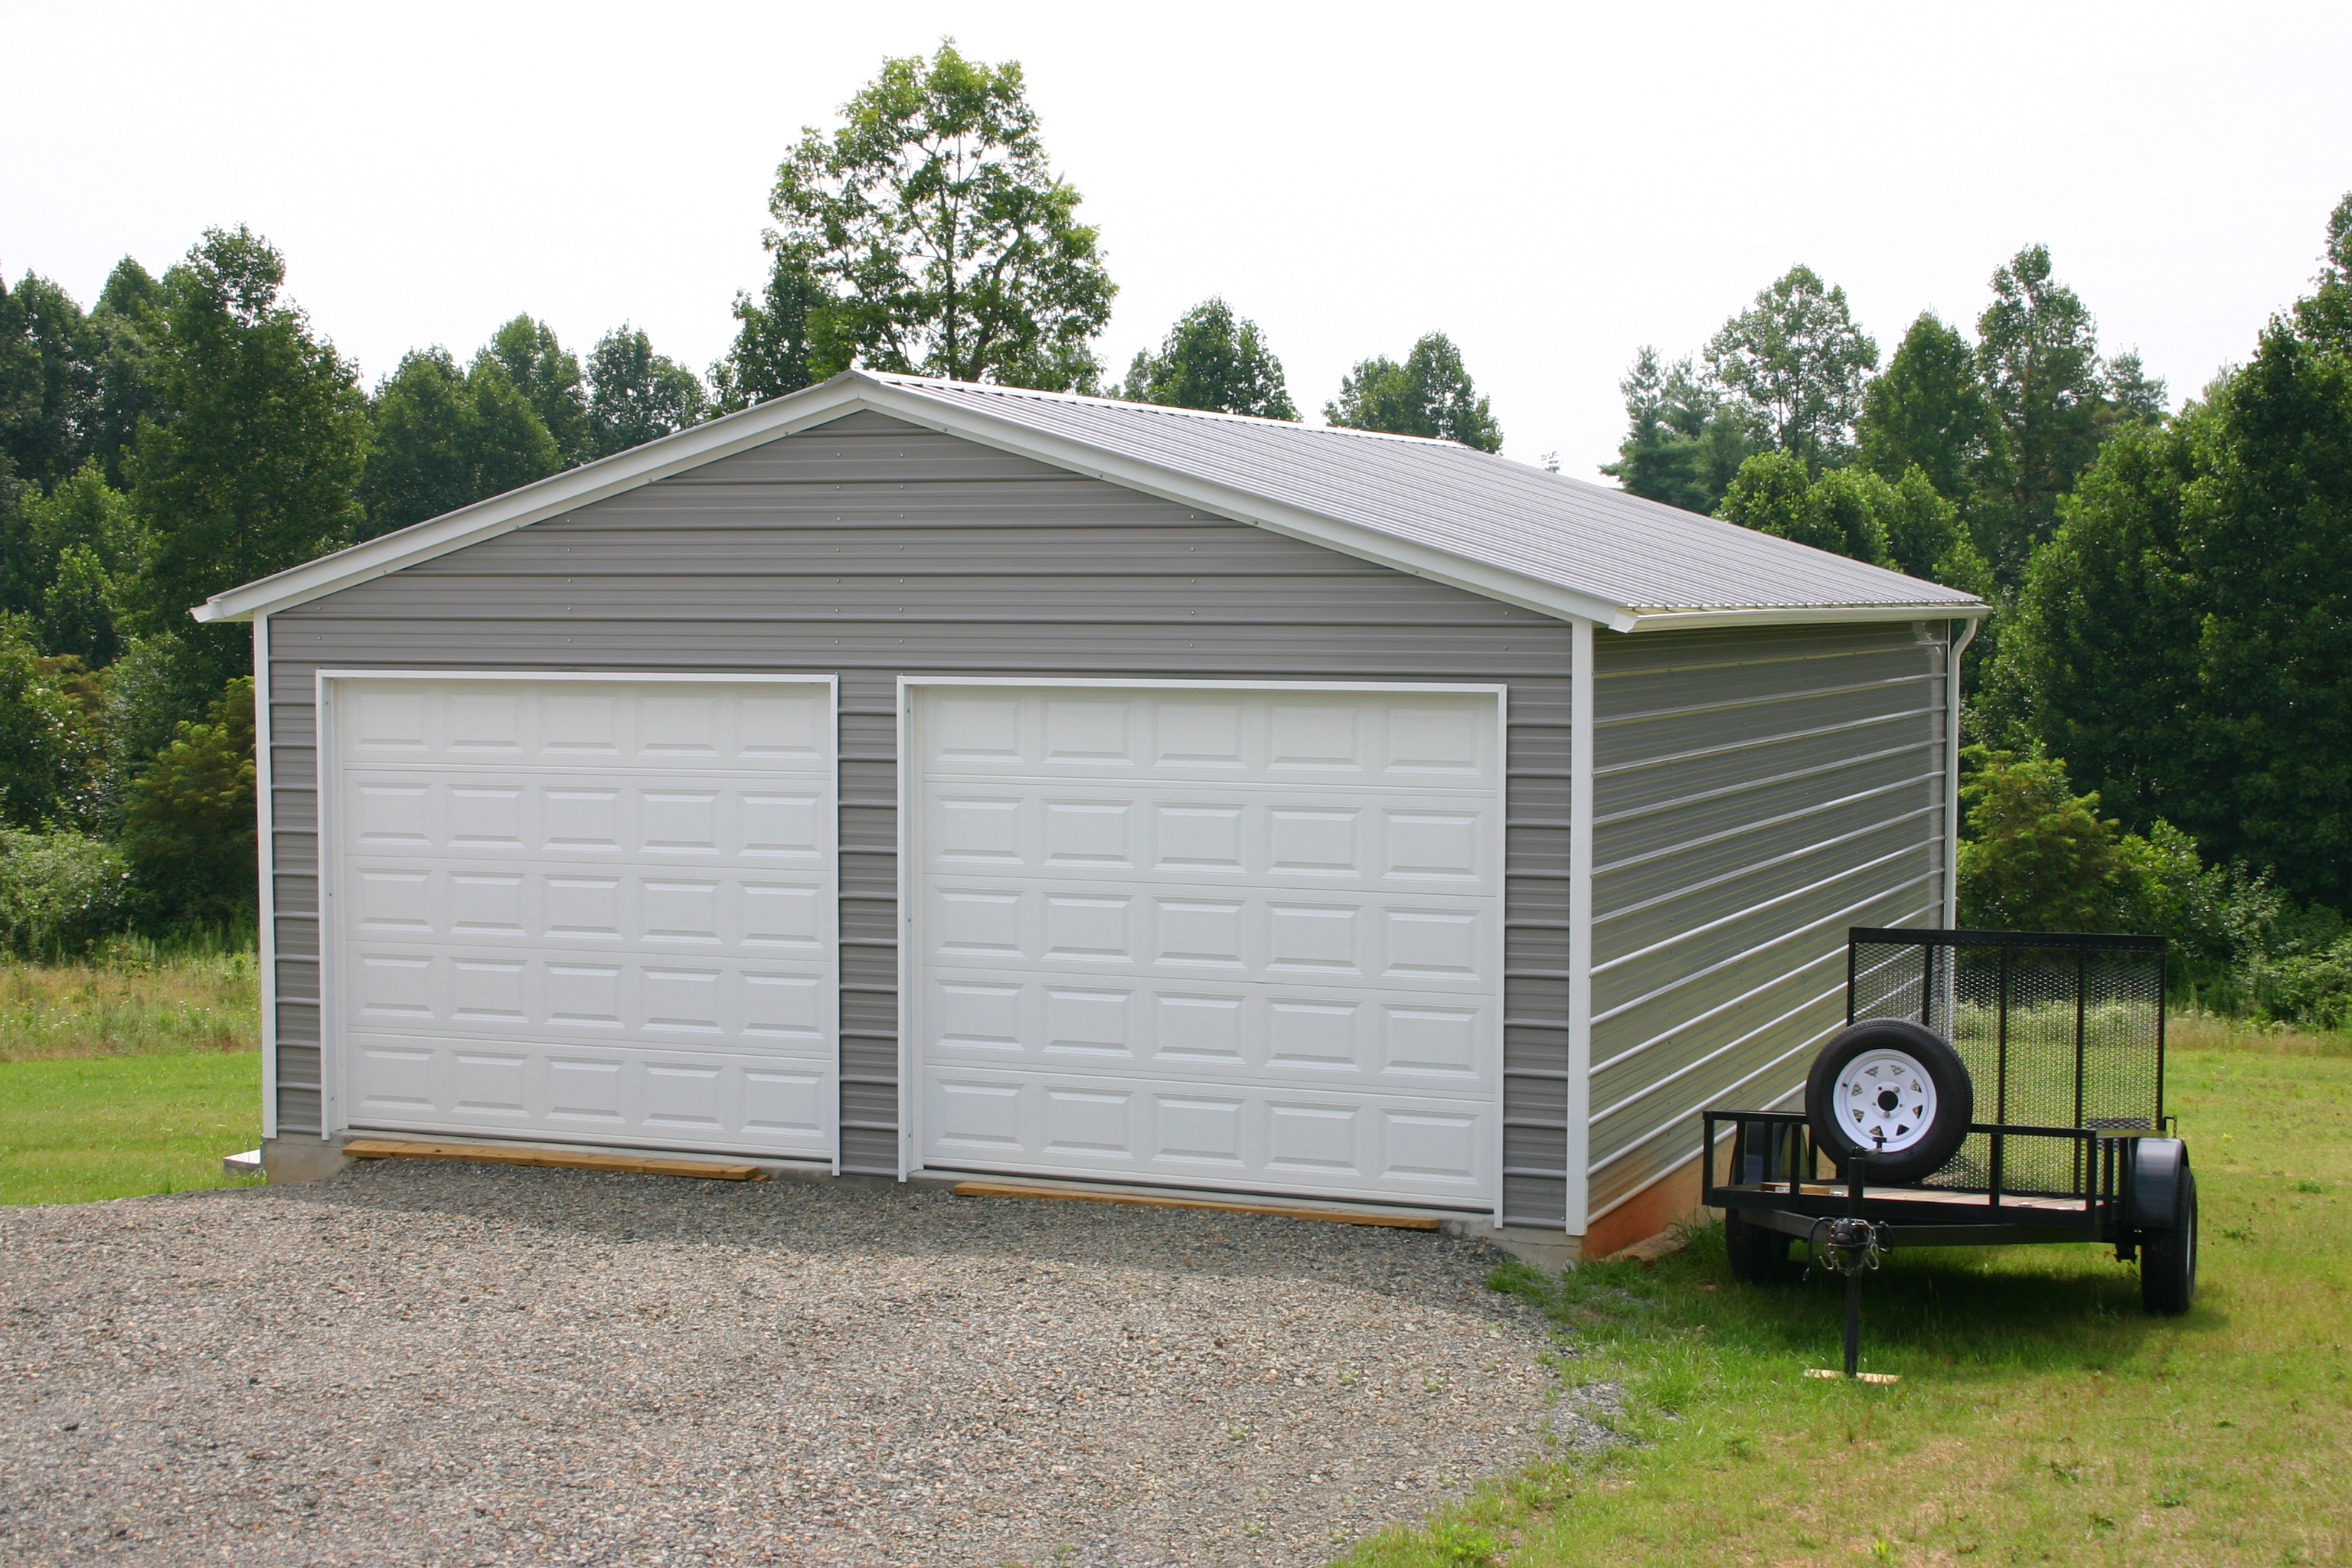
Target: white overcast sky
{"points": [[1553, 185]]}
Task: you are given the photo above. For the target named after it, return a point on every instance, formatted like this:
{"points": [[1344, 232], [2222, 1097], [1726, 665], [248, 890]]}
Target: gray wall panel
{"points": [[871, 548], [1755, 792]]}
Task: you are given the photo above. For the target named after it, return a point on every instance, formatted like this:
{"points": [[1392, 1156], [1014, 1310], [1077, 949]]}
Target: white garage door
{"points": [[594, 911], [1213, 937]]}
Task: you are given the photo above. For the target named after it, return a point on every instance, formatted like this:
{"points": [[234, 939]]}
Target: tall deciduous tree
{"points": [[1797, 363], [945, 242], [47, 380], [2038, 354], [1212, 359], [444, 439], [634, 394], [784, 340], [1682, 445], [549, 376], [1431, 394], [257, 469], [125, 389], [2183, 639], [1928, 410]]}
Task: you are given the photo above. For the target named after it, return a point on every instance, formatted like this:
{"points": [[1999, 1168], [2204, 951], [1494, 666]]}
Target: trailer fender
{"points": [[2159, 1180]]}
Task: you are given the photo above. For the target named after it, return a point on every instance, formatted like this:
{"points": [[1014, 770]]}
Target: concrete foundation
{"points": [[296, 1158]]}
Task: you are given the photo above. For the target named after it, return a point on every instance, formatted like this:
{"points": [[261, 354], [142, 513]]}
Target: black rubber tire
{"points": [[1955, 1099], [2168, 1260], [1759, 1254]]}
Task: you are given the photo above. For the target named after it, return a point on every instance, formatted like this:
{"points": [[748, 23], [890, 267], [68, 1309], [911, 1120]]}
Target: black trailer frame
{"points": [[2059, 1022]]}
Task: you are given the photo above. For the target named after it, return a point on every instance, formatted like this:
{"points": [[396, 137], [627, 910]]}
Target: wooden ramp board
{"points": [[559, 1159], [1281, 1210]]}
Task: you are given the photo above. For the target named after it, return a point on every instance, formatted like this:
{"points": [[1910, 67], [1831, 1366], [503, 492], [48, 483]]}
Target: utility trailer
{"points": [[2057, 1037]]}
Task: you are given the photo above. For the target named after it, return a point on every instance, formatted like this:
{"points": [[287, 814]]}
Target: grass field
{"points": [[2040, 1418], [130, 1074]]}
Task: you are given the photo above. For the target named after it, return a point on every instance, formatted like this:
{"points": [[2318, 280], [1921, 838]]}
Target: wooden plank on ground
{"points": [[559, 1159], [1282, 1210]]}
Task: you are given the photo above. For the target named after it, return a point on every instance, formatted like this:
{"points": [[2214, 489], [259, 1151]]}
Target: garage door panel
{"points": [[1147, 930], [1249, 938], [523, 905], [521, 994], [1208, 1033], [596, 909], [1366, 738], [770, 729], [632, 818], [704, 1101], [1333, 1144], [1269, 837]]}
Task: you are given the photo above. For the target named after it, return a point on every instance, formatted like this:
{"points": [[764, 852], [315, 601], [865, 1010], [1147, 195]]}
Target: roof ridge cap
{"points": [[919, 383]]}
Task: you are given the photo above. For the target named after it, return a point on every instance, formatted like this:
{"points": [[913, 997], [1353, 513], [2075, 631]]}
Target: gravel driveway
{"points": [[452, 1364]]}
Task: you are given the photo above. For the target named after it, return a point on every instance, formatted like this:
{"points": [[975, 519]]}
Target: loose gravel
{"points": [[429, 1363]]}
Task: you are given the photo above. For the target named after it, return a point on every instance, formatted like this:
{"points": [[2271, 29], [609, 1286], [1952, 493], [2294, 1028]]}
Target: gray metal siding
{"points": [[873, 548], [1755, 793]]}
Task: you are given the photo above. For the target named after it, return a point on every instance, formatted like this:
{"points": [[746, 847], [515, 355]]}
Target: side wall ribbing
{"points": [[872, 548], [1755, 792]]}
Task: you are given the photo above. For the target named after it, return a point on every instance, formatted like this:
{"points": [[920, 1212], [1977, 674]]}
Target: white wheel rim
{"points": [[1886, 1101]]}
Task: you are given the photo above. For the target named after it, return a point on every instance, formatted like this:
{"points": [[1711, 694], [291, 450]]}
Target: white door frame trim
{"points": [[910, 771], [332, 1123]]}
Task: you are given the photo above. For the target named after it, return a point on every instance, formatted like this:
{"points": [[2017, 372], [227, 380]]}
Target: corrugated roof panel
{"points": [[1582, 537]]}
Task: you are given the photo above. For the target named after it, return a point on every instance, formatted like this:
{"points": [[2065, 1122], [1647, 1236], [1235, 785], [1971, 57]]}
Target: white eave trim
{"points": [[852, 392]]}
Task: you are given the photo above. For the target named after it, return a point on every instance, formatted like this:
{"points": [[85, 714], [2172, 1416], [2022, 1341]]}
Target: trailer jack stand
{"points": [[1848, 1247]]}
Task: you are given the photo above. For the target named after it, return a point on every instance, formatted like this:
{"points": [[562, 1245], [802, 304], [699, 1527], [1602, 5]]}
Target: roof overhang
{"points": [[853, 392]]}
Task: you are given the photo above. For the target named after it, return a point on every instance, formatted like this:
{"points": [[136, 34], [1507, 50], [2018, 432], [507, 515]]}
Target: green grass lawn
{"points": [[2040, 1418], [134, 1073], [75, 1129]]}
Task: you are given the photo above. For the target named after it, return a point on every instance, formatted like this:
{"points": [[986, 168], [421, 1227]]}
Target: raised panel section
{"points": [[1239, 938], [602, 911]]}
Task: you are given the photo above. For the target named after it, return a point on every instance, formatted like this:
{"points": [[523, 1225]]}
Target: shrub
{"points": [[188, 826], [60, 891]]}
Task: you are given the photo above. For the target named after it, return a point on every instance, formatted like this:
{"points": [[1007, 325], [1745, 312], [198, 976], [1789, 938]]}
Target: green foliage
{"points": [[443, 439], [189, 827], [49, 756], [782, 340], [550, 379], [1430, 393], [1213, 359], [47, 383], [943, 240], [257, 467], [2325, 316], [2183, 640], [1928, 410], [2038, 857], [637, 395], [1683, 442], [1854, 512], [2038, 355], [60, 891], [1796, 363], [78, 609], [123, 373]]}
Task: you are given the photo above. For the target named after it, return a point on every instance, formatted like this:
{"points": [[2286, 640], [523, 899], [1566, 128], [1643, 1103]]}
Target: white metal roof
{"points": [[1434, 507]]}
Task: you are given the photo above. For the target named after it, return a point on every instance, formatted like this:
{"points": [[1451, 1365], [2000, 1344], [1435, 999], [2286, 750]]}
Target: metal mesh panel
{"points": [[2055, 1031]]}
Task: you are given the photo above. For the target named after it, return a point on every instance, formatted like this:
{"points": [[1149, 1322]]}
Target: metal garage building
{"points": [[908, 777]]}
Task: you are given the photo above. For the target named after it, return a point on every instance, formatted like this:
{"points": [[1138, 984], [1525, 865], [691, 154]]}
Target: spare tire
{"points": [[1892, 1089]]}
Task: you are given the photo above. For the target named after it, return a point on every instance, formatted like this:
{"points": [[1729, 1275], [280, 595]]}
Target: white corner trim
{"points": [[1953, 649], [910, 1099], [1579, 1114], [266, 914]]}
